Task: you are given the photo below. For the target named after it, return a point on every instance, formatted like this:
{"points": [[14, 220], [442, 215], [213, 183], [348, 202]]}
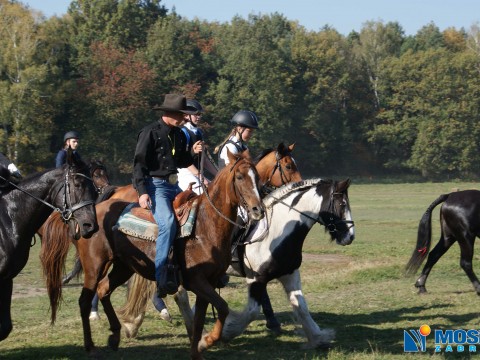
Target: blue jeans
{"points": [[162, 194]]}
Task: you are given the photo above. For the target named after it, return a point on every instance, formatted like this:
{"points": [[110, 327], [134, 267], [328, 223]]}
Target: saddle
{"points": [[140, 223]]}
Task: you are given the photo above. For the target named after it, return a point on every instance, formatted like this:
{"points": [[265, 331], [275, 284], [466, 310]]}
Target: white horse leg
{"points": [[237, 322], [316, 337]]}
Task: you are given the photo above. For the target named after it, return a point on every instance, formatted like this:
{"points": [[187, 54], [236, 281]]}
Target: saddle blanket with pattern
{"points": [[140, 223]]}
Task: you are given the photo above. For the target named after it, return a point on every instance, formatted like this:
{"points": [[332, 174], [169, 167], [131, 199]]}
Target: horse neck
{"points": [[264, 168], [29, 213], [294, 205]]}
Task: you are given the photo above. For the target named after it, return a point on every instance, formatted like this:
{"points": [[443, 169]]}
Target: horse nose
{"points": [[258, 212], [88, 229]]}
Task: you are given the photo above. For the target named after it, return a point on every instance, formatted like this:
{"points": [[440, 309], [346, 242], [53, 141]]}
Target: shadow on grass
{"points": [[375, 333]]}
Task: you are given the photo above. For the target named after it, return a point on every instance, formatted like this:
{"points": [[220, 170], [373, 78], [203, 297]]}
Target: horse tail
{"points": [[424, 237], [131, 314], [53, 254]]}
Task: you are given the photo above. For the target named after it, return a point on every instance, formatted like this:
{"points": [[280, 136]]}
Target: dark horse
{"points": [[203, 257], [26, 206], [101, 182], [459, 221]]}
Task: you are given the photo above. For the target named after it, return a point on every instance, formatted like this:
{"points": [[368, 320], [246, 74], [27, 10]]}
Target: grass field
{"points": [[358, 290]]}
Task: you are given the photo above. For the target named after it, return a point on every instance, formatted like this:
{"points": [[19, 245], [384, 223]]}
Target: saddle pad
{"points": [[140, 223]]}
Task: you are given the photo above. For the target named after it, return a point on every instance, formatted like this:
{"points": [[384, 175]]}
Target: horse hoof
{"points": [[422, 290], [94, 316], [114, 341], [165, 315], [274, 326]]}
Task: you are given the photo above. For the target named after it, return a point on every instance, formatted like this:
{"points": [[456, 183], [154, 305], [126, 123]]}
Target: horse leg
{"points": [[77, 267], [441, 248], [6, 289], [272, 322], [236, 323], [198, 324], [117, 276], [206, 294], [181, 298], [317, 338], [466, 256], [85, 303]]}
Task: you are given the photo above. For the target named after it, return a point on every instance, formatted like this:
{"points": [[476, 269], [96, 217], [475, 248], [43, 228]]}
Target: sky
{"points": [[342, 15]]}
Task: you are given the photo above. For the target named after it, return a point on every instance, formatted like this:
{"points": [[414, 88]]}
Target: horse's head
{"points": [[276, 167], [336, 214], [74, 195], [243, 179], [99, 175]]}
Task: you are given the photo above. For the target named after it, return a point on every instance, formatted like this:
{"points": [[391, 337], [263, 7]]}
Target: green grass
{"points": [[362, 294]]}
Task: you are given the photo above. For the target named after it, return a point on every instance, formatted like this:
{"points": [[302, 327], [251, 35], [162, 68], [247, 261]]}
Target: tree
{"points": [[25, 87], [116, 90]]}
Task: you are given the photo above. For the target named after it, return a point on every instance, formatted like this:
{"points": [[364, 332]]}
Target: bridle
{"points": [[331, 222], [67, 210], [239, 196], [268, 187], [98, 189]]}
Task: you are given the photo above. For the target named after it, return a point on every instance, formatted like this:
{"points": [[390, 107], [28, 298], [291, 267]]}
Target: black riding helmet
{"points": [[71, 135], [195, 106], [246, 119]]}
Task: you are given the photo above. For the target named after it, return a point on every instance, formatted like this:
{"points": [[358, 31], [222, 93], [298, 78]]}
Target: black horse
{"points": [[459, 221], [26, 206]]}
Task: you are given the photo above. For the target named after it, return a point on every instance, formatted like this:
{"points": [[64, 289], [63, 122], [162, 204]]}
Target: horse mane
{"points": [[259, 157], [285, 190]]}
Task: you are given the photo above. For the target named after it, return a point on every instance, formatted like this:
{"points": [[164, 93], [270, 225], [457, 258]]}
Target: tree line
{"points": [[373, 103]]}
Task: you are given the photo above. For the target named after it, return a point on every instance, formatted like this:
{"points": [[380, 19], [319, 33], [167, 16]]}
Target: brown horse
{"points": [[276, 167], [203, 257]]}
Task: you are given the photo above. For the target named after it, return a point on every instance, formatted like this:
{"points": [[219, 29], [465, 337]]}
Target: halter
{"points": [[68, 209]]}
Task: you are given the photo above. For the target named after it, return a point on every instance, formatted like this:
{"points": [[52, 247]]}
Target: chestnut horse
{"points": [[276, 167], [203, 257], [26, 206]]}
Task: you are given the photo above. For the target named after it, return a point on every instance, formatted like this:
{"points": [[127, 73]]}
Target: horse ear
{"points": [[281, 148], [69, 156], [291, 146], [343, 185]]}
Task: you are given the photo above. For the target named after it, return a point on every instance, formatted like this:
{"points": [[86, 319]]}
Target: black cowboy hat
{"points": [[175, 103]]}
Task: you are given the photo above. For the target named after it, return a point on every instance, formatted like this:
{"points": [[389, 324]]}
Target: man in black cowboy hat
{"points": [[161, 149]]}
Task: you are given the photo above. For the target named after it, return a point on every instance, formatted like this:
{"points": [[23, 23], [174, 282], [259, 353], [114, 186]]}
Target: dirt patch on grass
{"points": [[20, 291], [331, 259]]}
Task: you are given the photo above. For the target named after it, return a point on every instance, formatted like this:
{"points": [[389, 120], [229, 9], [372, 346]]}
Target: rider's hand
{"points": [[144, 201], [198, 147]]}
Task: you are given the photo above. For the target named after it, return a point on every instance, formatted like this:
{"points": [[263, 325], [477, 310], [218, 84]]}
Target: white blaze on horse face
{"points": [[255, 189], [348, 217]]}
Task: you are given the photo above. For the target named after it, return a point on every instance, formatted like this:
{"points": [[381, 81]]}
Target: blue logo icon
{"points": [[416, 340]]}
